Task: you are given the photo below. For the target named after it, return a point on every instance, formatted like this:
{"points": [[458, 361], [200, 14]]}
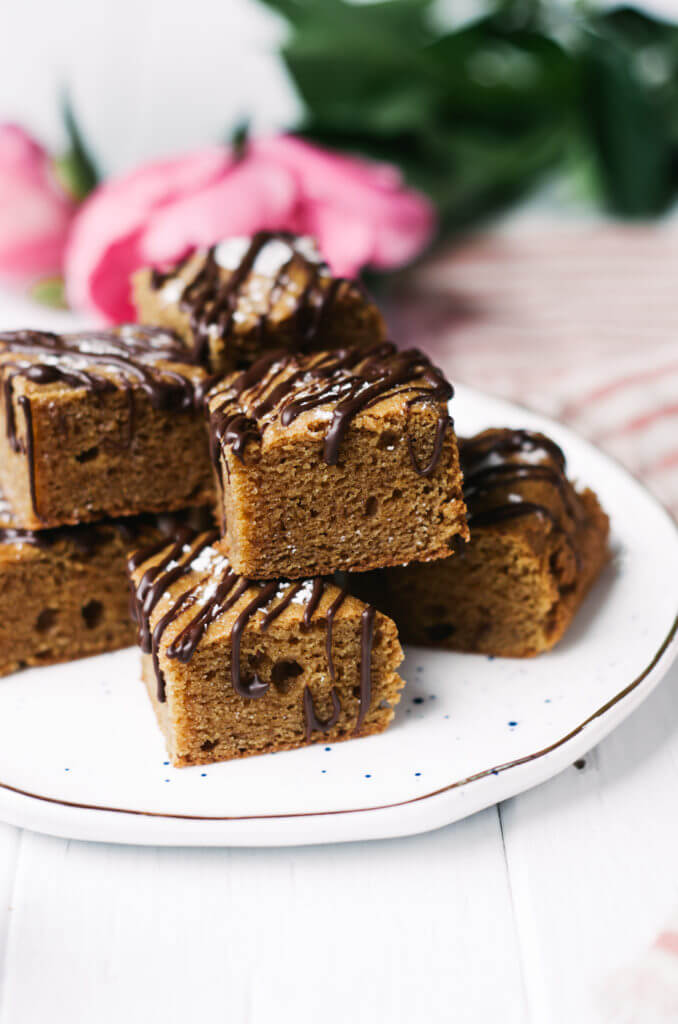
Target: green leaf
{"points": [[76, 169], [630, 66], [492, 75], [239, 136], [50, 292], [477, 116], [403, 20]]}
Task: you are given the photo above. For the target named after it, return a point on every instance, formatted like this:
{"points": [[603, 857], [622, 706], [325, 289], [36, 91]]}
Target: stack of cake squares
{"points": [[343, 510], [341, 506], [101, 448], [333, 453]]}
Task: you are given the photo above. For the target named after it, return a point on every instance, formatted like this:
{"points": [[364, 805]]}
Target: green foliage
{"points": [[50, 292], [76, 168], [477, 116]]}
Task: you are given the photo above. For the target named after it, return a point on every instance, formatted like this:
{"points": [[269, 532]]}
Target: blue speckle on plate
{"points": [[323, 771], [547, 701], [67, 769], [368, 776], [328, 748], [417, 700], [512, 725], [165, 763], [446, 716], [490, 657], [166, 780], [417, 773], [495, 771], [203, 775]]}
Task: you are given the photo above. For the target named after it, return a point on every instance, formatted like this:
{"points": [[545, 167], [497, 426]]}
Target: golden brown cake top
{"points": [[183, 587], [338, 385], [510, 474], [244, 283], [128, 356], [128, 359]]}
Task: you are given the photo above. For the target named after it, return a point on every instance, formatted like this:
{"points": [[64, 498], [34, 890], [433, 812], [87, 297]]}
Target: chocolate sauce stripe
{"points": [[313, 722], [156, 580], [476, 777], [253, 688], [25, 406], [132, 359], [183, 603], [88, 537], [351, 380], [212, 299], [511, 510], [280, 607], [511, 441]]}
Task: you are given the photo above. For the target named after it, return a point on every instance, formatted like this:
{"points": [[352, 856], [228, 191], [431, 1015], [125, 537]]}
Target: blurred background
{"points": [[523, 228], [450, 88]]}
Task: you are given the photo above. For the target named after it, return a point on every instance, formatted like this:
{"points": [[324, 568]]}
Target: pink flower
{"points": [[360, 213], [35, 213]]}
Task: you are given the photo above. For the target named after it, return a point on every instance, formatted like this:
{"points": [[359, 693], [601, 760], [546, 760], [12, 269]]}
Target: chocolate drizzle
{"points": [[127, 358], [216, 589], [313, 722], [87, 538], [497, 463], [281, 387], [213, 294], [25, 406]]}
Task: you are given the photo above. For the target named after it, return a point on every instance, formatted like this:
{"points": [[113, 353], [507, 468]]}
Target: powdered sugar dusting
{"points": [[210, 560], [303, 595], [229, 254]]}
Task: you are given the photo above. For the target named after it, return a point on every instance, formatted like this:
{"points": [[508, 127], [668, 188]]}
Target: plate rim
{"points": [[664, 648], [659, 657]]}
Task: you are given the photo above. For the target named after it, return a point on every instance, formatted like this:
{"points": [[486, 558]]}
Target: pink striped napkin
{"points": [[647, 992], [579, 321]]}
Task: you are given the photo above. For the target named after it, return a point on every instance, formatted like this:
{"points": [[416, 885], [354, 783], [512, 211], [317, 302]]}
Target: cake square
{"points": [[64, 592], [342, 460], [537, 544], [235, 301], [235, 667], [100, 424]]}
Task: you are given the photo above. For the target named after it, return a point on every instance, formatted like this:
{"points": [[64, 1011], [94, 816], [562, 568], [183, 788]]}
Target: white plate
{"points": [[81, 756]]}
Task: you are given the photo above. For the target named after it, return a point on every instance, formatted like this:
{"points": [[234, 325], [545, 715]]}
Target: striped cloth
{"points": [[645, 992], [579, 321]]}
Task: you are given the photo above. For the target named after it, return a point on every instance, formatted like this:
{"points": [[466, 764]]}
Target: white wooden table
{"points": [[516, 914]]}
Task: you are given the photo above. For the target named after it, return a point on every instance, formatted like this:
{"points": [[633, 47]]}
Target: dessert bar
{"points": [[235, 667], [64, 592], [99, 424], [235, 301], [344, 460], [536, 546]]}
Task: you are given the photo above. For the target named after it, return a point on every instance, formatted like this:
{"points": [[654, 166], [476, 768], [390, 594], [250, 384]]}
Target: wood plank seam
{"points": [[530, 1019], [7, 918]]}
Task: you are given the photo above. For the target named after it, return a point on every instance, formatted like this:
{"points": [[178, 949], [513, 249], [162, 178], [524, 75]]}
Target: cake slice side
{"points": [[100, 424], [64, 592], [235, 668], [537, 545], [339, 461]]}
